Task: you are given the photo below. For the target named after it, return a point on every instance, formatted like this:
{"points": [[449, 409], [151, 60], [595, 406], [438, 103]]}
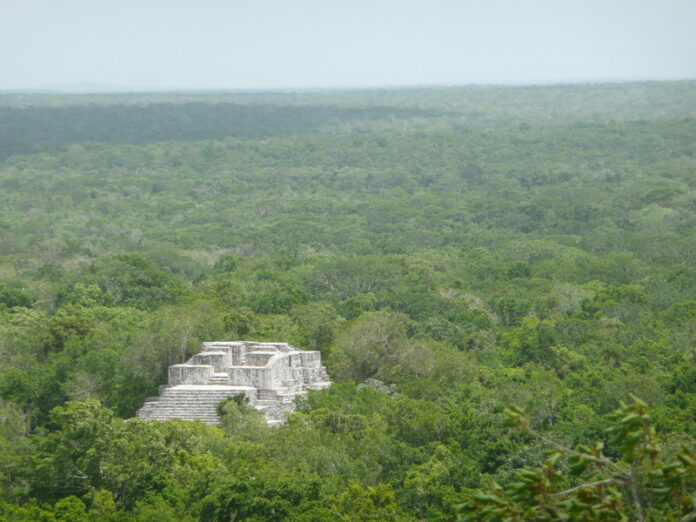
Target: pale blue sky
{"points": [[258, 44]]}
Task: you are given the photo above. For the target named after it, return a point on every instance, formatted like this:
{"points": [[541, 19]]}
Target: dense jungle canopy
{"points": [[489, 273]]}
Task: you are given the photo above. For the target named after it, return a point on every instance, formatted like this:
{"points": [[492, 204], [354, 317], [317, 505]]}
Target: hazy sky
{"points": [[256, 44]]}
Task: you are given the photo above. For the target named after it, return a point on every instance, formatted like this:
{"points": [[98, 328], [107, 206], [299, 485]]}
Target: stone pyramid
{"points": [[271, 375]]}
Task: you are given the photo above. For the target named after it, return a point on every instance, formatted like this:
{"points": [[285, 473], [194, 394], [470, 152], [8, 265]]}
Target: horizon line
{"points": [[91, 88]]}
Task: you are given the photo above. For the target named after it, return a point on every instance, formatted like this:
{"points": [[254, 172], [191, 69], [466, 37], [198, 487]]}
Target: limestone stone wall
{"points": [[190, 374]]}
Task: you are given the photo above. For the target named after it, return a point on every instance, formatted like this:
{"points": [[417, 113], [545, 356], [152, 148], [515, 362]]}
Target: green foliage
{"points": [[226, 263], [134, 280], [318, 324], [370, 504], [449, 251], [11, 297], [240, 322], [69, 509], [237, 418], [376, 344], [638, 484]]}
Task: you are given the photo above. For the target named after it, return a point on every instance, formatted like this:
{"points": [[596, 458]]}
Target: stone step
{"points": [[187, 403], [206, 396], [182, 415], [181, 411]]}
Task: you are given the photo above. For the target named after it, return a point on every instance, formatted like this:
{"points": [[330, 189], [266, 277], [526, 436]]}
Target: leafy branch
{"points": [[639, 474]]}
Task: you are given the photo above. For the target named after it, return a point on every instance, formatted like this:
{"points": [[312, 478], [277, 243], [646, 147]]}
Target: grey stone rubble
{"points": [[271, 375]]}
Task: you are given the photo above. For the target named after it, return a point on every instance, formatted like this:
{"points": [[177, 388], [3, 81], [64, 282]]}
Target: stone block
{"points": [[190, 374], [218, 360]]}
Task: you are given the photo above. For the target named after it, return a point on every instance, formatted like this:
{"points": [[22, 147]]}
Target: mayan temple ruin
{"points": [[271, 375]]}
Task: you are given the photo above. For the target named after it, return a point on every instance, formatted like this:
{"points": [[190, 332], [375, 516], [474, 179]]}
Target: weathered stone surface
{"points": [[271, 375]]}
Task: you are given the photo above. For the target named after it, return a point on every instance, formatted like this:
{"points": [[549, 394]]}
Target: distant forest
{"points": [[501, 280]]}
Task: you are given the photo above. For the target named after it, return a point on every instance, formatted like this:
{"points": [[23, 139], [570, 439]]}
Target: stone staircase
{"points": [[189, 402], [219, 378], [277, 404]]}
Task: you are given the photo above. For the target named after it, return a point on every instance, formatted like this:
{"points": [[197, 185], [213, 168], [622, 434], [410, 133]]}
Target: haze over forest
{"points": [[278, 44]]}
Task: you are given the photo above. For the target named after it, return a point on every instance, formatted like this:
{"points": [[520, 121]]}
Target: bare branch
{"points": [[588, 485], [566, 449], [634, 493]]}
